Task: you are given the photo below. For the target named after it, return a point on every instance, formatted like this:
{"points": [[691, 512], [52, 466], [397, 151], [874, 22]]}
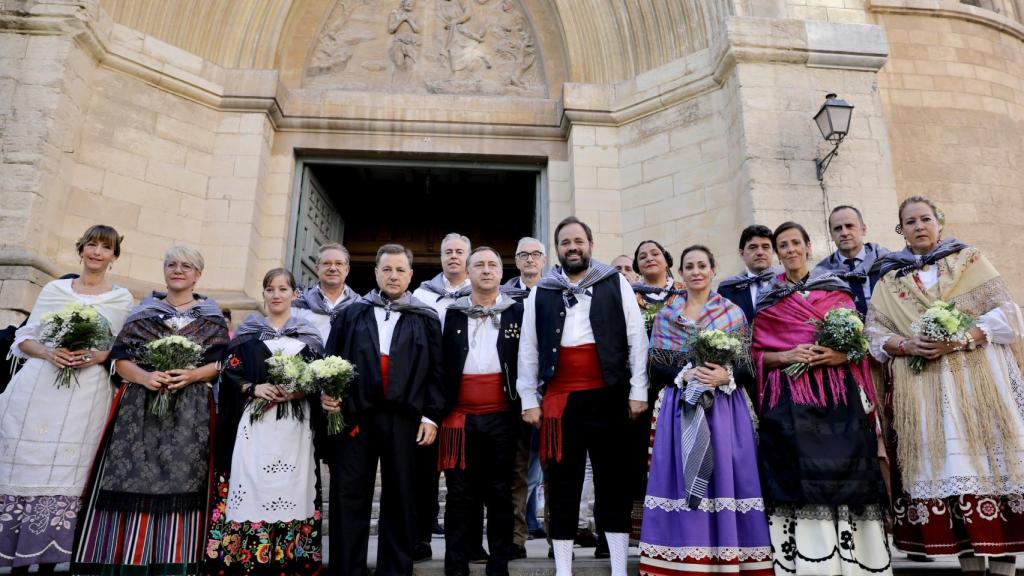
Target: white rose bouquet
{"points": [[333, 375], [75, 327], [170, 353], [289, 372], [843, 331], [943, 322]]}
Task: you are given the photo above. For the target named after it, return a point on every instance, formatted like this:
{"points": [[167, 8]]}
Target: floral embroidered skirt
{"points": [[982, 525], [829, 541], [37, 529], [728, 531]]}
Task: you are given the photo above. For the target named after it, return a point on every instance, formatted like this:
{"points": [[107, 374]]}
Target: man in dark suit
{"points": [[479, 435], [853, 259], [743, 289], [394, 405]]}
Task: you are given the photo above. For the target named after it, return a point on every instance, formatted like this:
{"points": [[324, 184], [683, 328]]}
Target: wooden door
{"points": [[319, 223]]}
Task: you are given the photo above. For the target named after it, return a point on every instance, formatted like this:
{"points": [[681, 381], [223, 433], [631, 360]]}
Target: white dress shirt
{"points": [[866, 285], [577, 331], [439, 306], [483, 346], [756, 288], [385, 331]]}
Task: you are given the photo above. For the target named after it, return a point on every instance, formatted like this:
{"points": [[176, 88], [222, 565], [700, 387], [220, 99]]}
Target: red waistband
{"points": [[579, 369], [385, 370], [478, 394]]}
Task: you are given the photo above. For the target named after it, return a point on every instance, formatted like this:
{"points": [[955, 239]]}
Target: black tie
{"points": [[857, 286]]}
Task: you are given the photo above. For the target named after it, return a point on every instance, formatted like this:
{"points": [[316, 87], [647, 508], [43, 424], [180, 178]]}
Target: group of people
{"points": [[585, 368]]}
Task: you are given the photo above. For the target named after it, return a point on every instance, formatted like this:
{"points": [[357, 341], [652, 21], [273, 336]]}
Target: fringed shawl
{"points": [[671, 329], [789, 322], [968, 280]]}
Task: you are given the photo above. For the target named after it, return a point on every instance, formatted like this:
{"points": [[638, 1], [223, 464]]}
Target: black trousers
{"points": [[491, 443], [427, 484], [594, 421], [388, 434]]}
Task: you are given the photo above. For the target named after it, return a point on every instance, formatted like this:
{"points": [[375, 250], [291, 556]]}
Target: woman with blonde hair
{"points": [[146, 502], [48, 432], [956, 407]]}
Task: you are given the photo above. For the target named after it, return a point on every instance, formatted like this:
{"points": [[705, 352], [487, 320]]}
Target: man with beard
{"points": [[479, 434], [321, 303], [583, 342], [392, 408], [531, 258], [745, 288], [853, 258]]}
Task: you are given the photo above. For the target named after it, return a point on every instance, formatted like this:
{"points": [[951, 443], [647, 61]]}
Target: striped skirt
{"points": [[140, 543]]}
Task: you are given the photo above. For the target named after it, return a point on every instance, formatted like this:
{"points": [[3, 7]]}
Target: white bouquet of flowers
{"points": [[289, 372], [170, 353], [333, 375], [843, 331], [75, 327], [942, 322]]}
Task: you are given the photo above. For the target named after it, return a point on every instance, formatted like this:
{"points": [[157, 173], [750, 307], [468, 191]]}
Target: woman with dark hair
{"points": [[266, 517], [957, 423], [656, 287], [818, 447], [722, 526], [49, 433], [146, 502]]}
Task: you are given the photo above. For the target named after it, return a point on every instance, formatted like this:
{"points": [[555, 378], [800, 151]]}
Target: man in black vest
{"points": [[394, 342], [853, 259], [479, 435], [745, 288], [582, 373]]}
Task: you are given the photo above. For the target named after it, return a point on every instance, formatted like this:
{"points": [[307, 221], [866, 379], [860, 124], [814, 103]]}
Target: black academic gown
{"points": [[381, 427]]}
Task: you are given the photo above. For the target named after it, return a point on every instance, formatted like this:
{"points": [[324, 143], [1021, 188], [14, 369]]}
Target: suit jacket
{"points": [[455, 349], [740, 297], [414, 362]]}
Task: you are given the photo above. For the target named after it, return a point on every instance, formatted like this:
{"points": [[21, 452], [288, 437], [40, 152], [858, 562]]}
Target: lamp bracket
{"points": [[821, 164]]}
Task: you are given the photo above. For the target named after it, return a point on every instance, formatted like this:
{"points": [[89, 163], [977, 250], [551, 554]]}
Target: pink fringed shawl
{"points": [[786, 324]]}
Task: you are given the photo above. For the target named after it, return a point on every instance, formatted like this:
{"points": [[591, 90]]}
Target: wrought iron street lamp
{"points": [[834, 122]]}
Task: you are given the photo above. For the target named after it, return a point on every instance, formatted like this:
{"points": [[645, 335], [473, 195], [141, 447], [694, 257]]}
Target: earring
{"points": [[899, 229]]}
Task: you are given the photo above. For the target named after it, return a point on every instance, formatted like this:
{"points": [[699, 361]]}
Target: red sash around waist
{"points": [[478, 394], [385, 368], [578, 369]]}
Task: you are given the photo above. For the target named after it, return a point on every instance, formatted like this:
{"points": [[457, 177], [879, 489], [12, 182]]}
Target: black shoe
{"points": [[518, 552], [585, 538], [538, 532], [437, 530], [919, 558], [479, 556], [421, 552], [601, 551]]}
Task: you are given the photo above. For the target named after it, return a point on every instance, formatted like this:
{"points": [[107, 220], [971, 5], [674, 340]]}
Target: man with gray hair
{"points": [[439, 292], [452, 283], [321, 303], [531, 257]]}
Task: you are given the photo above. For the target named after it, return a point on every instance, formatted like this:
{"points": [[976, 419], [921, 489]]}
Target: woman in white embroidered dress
{"points": [[957, 426], [268, 519], [49, 434]]}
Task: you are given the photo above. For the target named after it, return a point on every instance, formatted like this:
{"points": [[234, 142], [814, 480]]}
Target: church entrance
{"points": [[365, 203]]}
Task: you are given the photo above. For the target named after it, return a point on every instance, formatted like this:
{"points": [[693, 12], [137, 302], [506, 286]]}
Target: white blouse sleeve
{"points": [[1003, 324]]}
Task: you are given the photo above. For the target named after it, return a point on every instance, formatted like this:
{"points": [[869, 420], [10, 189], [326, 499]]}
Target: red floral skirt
{"points": [[983, 525]]}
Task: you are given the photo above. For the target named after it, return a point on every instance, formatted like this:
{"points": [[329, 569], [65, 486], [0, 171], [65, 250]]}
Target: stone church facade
{"points": [[257, 129]]}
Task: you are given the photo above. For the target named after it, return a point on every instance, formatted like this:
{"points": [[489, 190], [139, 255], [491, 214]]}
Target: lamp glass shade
{"points": [[833, 119]]}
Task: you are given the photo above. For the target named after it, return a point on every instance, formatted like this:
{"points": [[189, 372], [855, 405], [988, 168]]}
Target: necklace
{"points": [[189, 301]]}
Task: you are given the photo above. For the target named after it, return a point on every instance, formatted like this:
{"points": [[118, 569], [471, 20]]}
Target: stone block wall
{"points": [[953, 94]]}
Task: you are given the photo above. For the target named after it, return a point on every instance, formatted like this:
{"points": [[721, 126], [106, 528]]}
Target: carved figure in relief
{"points": [[460, 48], [517, 43], [403, 46]]}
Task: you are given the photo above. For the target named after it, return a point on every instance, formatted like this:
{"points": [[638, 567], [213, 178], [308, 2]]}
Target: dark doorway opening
{"points": [[416, 205]]}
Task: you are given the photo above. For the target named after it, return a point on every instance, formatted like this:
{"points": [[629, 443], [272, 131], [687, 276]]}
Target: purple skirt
{"points": [[729, 527], [37, 529]]}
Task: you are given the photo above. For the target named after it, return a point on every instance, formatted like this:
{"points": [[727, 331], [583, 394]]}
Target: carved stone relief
{"points": [[428, 46]]}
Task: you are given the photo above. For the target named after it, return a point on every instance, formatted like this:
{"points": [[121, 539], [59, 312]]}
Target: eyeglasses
{"points": [[179, 266], [535, 255]]}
